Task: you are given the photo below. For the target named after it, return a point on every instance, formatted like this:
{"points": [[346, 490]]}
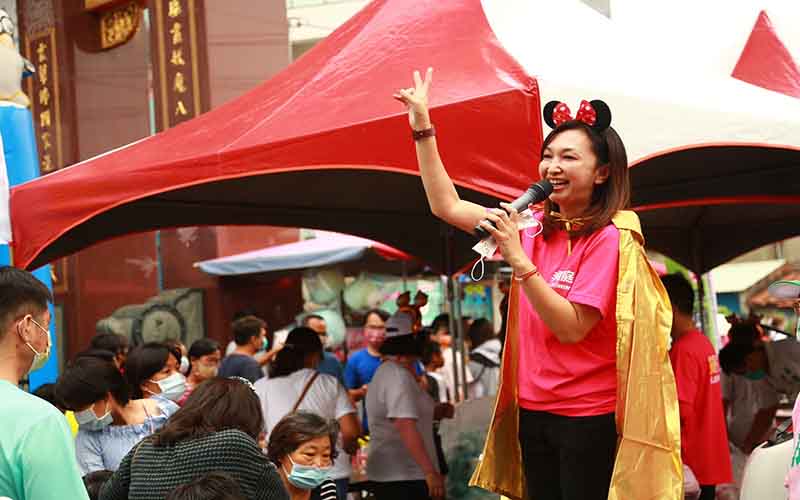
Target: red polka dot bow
{"points": [[586, 114], [595, 114]]}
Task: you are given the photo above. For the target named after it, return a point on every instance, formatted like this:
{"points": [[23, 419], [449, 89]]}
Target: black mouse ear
{"points": [[547, 113], [603, 115]]}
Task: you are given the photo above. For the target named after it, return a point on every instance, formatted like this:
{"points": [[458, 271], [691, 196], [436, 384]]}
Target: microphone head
{"points": [[537, 193], [546, 187]]}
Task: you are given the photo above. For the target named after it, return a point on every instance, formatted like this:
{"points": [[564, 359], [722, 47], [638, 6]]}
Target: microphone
{"points": [[535, 194]]}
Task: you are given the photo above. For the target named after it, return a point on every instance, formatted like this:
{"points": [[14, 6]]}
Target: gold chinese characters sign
{"points": [[179, 96], [119, 25], [43, 90]]}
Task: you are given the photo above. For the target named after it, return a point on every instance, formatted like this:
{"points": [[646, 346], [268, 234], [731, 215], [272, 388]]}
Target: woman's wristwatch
{"points": [[422, 134]]}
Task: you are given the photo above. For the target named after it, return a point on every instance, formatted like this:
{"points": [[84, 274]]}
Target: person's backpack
{"points": [[485, 363]]}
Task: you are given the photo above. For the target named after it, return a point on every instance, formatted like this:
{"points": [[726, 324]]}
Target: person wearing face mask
{"points": [[183, 364], [204, 356], [250, 334], [37, 458], [403, 460], [110, 422], [217, 430], [295, 383], [774, 367], [152, 371], [302, 446], [363, 363]]}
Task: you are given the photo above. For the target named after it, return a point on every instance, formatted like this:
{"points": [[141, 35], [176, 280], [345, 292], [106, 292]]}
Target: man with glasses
{"points": [[363, 364], [37, 453]]}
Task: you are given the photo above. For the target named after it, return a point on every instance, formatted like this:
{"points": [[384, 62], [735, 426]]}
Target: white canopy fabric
{"points": [[576, 53]]}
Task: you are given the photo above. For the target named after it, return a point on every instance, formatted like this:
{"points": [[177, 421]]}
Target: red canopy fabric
{"points": [[321, 145], [765, 61]]}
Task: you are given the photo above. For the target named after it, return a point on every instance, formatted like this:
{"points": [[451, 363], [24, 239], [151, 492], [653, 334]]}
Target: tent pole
{"points": [[447, 235], [695, 242], [345, 351], [712, 332], [462, 345], [701, 300]]}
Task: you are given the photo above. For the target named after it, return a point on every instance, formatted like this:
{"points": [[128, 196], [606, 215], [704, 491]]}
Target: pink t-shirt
{"points": [[572, 379], [793, 477]]}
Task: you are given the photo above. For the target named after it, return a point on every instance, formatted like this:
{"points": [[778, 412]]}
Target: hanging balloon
{"points": [[324, 286], [357, 293]]}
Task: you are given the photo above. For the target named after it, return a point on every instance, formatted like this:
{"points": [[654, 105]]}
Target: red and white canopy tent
{"points": [[323, 145]]}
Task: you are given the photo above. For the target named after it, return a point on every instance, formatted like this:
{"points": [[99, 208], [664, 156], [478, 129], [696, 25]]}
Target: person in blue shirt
{"points": [[37, 452], [363, 363], [329, 364]]}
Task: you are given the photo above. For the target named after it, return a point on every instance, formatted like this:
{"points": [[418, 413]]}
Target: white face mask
{"points": [[184, 368], [172, 387], [88, 420], [39, 358], [204, 371]]}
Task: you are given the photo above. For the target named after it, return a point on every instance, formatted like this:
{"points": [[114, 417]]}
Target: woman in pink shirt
{"points": [[567, 322]]}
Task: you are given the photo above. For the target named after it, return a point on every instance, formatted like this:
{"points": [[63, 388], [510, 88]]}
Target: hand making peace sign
{"points": [[416, 100]]}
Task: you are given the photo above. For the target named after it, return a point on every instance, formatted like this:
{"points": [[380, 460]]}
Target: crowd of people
{"points": [[158, 420], [608, 389]]}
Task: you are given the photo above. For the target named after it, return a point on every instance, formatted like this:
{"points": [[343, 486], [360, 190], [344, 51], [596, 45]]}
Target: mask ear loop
{"points": [[537, 231], [21, 329], [475, 266], [536, 224]]}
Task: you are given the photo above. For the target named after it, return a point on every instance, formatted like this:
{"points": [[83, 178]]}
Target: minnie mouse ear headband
{"points": [[595, 113]]}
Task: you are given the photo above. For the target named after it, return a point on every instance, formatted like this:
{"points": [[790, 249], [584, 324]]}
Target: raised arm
{"points": [[442, 196]]}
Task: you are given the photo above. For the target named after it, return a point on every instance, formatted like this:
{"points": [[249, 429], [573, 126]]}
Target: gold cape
{"points": [[648, 462]]}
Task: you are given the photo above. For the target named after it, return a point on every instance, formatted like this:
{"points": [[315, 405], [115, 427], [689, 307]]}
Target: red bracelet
{"points": [[527, 275], [421, 134]]}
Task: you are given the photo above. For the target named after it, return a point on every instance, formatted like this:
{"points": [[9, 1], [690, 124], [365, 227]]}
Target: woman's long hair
{"points": [[609, 197], [300, 343], [215, 405]]}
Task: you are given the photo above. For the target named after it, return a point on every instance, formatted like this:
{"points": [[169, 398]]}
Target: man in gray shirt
{"points": [[402, 455]]}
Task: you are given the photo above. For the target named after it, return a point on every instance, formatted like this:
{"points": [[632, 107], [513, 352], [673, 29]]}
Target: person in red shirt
{"points": [[704, 438]]}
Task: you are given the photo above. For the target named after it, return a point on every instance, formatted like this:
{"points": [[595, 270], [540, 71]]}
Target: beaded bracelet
{"points": [[527, 275]]}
